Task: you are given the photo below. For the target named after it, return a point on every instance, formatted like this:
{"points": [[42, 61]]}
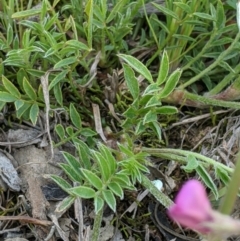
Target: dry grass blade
{"points": [[27, 219]]}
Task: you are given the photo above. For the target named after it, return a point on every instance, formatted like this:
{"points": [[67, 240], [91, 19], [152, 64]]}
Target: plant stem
{"points": [[161, 197], [97, 225], [213, 65], [177, 158], [76, 134], [232, 190], [227, 79], [156, 151], [214, 102]]}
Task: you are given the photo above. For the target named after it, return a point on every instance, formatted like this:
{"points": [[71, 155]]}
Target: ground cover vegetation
{"points": [[114, 80]]}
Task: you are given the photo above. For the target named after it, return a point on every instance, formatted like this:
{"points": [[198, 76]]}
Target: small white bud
{"points": [[158, 184]]}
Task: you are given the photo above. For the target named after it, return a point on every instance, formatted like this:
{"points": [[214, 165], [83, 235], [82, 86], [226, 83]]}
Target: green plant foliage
{"points": [[108, 180], [139, 64], [202, 172], [144, 111]]}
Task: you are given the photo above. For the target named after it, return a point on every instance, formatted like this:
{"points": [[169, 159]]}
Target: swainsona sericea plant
{"points": [[192, 209]]}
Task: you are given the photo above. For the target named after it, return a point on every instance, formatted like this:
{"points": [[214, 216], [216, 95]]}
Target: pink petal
{"points": [[192, 206]]}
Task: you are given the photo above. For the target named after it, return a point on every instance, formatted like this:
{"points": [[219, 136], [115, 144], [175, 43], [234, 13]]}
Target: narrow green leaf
{"points": [[92, 178], [8, 85], [60, 131], [222, 41], [202, 172], [84, 154], [125, 150], [65, 62], [9, 34], [87, 132], [70, 130], [106, 153], [51, 22], [33, 25], [99, 16], [149, 117], [15, 43], [184, 37], [156, 127], [204, 16], [35, 72], [61, 183], [72, 174], [131, 113], [140, 128], [220, 16], [151, 89], [109, 199], [89, 12], [24, 108], [164, 68], [34, 111], [40, 93], [65, 204], [72, 161], [6, 97], [75, 117], [116, 189], [166, 11], [137, 66], [58, 94], [26, 13], [131, 81], [98, 204], [43, 10], [170, 83], [29, 90], [58, 78], [223, 175], [185, 7], [83, 192], [77, 44], [49, 52], [121, 179], [226, 66], [18, 104], [154, 101], [116, 10], [166, 110], [103, 165]]}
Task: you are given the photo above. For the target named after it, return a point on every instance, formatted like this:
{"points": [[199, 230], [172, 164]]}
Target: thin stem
{"points": [[97, 225], [213, 65], [210, 101], [177, 158], [150, 26], [156, 151], [161, 197], [232, 190], [76, 134], [227, 79]]}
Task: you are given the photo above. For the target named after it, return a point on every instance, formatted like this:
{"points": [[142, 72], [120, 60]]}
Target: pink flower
{"points": [[192, 207]]}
